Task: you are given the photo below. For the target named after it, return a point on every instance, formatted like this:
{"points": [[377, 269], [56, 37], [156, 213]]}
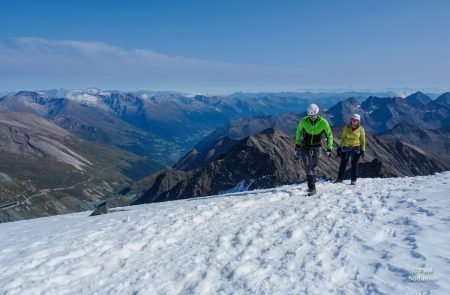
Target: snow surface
{"points": [[376, 237]]}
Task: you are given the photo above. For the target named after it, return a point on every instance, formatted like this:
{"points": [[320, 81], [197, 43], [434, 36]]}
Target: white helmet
{"points": [[313, 109], [356, 117]]}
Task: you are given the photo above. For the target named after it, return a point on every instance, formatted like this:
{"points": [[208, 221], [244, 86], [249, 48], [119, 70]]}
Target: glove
{"points": [[297, 155], [339, 152], [361, 154], [328, 154], [297, 146]]}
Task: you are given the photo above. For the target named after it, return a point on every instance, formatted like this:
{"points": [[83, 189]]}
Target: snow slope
{"points": [[374, 238]]}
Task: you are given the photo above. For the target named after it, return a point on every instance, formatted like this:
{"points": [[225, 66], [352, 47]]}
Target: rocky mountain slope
{"points": [[45, 170], [433, 141], [389, 112], [92, 123], [267, 160]]}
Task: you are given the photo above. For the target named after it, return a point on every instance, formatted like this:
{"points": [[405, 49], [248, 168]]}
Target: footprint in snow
{"points": [[426, 211]]}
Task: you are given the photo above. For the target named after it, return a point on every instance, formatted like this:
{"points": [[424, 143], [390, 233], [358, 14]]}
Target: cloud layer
{"points": [[37, 63], [70, 63]]}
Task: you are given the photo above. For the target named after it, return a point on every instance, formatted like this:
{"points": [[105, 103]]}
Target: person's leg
{"points": [[355, 159], [343, 165], [311, 184], [306, 159], [307, 155], [315, 156]]}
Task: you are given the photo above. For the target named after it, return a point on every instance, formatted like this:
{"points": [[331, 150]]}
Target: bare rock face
{"points": [[395, 158], [241, 128], [27, 135], [96, 122], [49, 171], [101, 209], [254, 162], [435, 142], [195, 159]]}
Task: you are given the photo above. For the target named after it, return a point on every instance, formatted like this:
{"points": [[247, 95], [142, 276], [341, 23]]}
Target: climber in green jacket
{"points": [[308, 143]]}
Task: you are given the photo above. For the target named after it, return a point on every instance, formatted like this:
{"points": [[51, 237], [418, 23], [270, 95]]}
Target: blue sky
{"points": [[225, 46]]}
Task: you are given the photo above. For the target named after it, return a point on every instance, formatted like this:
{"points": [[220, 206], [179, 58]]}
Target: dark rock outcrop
{"points": [[194, 159], [260, 161], [102, 208]]}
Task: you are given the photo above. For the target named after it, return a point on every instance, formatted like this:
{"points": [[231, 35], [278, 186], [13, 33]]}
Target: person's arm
{"points": [[339, 149], [299, 132], [329, 134], [343, 134], [363, 140]]}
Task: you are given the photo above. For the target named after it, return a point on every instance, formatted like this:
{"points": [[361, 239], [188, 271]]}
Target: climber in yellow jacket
{"points": [[353, 145]]}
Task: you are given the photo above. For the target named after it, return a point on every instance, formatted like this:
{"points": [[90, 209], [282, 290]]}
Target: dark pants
{"points": [[310, 158], [347, 153]]}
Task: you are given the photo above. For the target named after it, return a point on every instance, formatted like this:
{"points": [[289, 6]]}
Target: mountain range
{"points": [[59, 142], [159, 126], [223, 160], [382, 114]]}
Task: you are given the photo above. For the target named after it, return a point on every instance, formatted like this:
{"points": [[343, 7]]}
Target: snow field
{"points": [[365, 239]]}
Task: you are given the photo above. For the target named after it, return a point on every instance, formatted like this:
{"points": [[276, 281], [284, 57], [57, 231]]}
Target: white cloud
{"points": [[82, 63], [37, 63]]}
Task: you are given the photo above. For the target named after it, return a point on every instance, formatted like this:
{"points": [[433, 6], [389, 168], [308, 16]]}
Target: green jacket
{"points": [[309, 134]]}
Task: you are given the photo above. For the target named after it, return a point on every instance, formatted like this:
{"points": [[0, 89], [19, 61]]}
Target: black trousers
{"points": [[349, 152]]}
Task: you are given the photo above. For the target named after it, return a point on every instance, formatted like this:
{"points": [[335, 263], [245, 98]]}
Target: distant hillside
{"points": [[93, 123], [47, 171], [433, 141]]}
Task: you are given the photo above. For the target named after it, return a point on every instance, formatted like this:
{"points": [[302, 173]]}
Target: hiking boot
{"points": [[312, 190], [311, 184]]}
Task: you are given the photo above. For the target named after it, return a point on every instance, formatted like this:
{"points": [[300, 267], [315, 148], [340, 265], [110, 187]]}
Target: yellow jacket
{"points": [[355, 137]]}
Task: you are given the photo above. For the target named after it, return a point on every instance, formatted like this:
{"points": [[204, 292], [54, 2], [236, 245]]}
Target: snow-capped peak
{"points": [[82, 97]]}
